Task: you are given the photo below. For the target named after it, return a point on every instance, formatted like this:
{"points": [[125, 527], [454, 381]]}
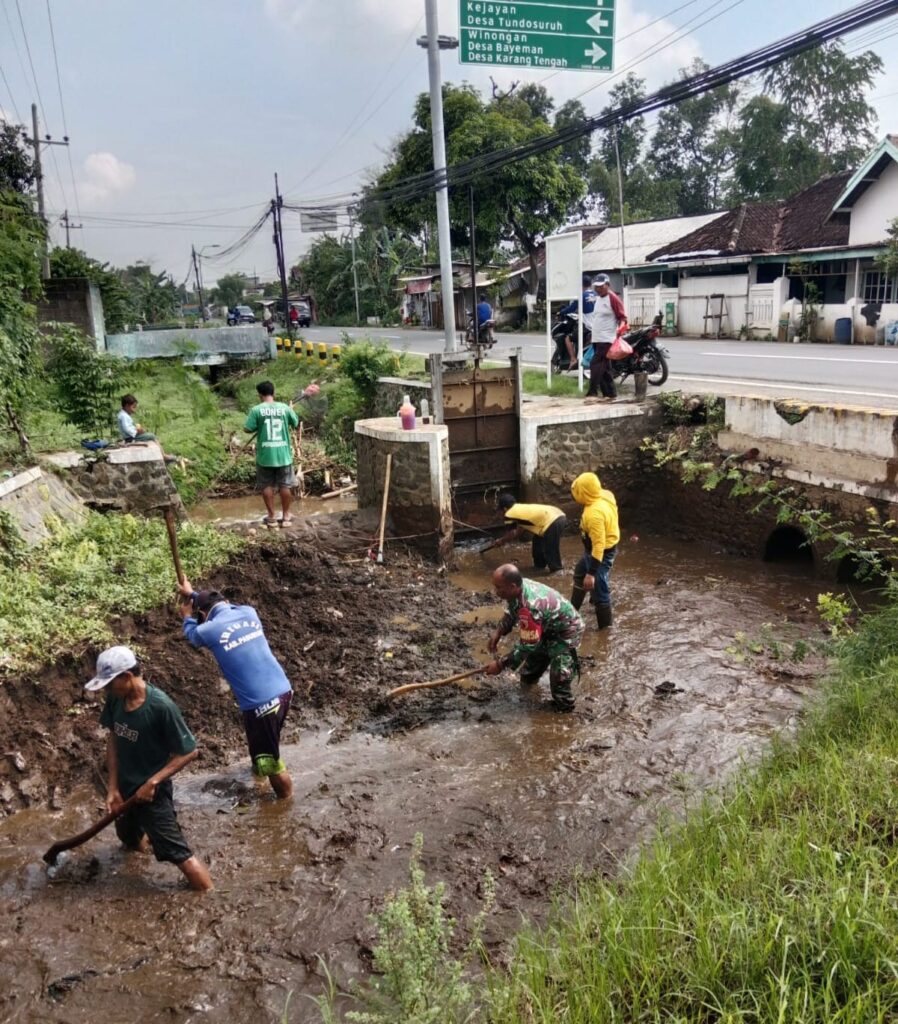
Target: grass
{"points": [[562, 386], [58, 599], [778, 902]]}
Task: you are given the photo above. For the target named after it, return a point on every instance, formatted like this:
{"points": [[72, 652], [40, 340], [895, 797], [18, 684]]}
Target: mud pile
{"points": [[330, 622]]}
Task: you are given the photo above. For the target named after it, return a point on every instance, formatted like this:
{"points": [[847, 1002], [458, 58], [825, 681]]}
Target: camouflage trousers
{"points": [[563, 664]]}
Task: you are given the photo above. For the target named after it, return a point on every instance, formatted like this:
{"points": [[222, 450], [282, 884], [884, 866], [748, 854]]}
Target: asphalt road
{"points": [[856, 375]]}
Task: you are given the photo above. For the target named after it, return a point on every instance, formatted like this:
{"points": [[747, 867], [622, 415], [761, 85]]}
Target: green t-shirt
{"points": [[272, 422], [145, 739]]}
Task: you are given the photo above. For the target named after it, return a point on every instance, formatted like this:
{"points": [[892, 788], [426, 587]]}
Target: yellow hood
{"points": [[586, 489]]}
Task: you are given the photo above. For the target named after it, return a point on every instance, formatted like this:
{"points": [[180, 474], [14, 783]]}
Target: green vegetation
{"points": [[418, 980], [563, 385], [56, 599]]}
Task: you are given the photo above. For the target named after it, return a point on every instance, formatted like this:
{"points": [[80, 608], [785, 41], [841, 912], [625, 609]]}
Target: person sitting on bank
{"points": [[129, 429], [545, 523]]}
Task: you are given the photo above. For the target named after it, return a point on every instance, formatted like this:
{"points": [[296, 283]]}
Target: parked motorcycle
{"points": [[647, 356], [566, 327]]}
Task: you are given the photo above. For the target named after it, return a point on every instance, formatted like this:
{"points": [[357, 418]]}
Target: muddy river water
{"points": [[495, 781]]}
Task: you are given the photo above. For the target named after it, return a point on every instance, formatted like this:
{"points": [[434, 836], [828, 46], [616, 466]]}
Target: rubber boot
{"points": [[603, 615], [577, 595]]}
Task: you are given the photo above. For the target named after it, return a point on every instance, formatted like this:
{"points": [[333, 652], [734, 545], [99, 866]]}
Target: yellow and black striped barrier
{"points": [[279, 342], [322, 355], [310, 351], [288, 345], [335, 354]]}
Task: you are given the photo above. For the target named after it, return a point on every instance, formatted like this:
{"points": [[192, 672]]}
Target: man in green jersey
{"points": [[272, 422], [148, 743]]}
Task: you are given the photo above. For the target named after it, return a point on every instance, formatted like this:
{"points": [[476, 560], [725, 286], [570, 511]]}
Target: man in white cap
{"points": [[608, 320], [148, 743]]}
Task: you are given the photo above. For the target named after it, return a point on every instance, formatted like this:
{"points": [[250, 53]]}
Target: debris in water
{"points": [[667, 689]]}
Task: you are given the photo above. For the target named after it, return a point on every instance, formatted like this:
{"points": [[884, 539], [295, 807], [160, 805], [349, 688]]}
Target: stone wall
{"points": [[391, 391], [34, 499], [132, 478], [74, 300], [419, 503], [559, 443]]}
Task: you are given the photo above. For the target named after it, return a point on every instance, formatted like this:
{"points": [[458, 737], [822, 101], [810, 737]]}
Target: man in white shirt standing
{"points": [[608, 316]]}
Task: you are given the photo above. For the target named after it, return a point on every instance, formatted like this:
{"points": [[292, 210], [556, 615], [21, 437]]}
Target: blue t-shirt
{"points": [[589, 303], [484, 312], [234, 635]]}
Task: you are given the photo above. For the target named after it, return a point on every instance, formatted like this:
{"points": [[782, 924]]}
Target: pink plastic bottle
{"points": [[407, 414]]}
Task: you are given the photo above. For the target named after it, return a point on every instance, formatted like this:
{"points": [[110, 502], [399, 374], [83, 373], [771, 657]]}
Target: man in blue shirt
{"points": [[234, 635], [484, 312], [589, 305]]}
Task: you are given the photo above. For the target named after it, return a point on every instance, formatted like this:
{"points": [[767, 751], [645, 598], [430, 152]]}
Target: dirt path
{"points": [[490, 778]]}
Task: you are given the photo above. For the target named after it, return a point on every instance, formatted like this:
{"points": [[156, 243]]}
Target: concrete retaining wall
{"points": [[197, 346], [34, 498], [844, 448], [74, 300], [391, 390], [132, 478], [560, 440], [420, 499]]}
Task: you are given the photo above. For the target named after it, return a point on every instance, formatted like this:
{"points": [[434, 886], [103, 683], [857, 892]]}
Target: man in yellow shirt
{"points": [[600, 532], [545, 523]]}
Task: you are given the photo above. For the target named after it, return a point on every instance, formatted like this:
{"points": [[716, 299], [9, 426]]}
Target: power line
{"points": [[12, 99], [40, 99], [65, 127]]}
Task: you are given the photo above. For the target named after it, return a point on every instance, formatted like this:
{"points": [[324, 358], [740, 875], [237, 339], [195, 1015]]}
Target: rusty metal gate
{"points": [[481, 409]]}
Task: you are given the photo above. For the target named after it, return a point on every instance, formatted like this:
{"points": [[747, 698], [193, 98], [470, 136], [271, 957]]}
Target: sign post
{"points": [[564, 281], [565, 35]]}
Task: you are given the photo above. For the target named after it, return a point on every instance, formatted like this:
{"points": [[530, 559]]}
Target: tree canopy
{"points": [[229, 290]]}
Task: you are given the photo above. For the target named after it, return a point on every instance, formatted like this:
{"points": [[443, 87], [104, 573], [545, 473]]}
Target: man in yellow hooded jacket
{"points": [[600, 532]]}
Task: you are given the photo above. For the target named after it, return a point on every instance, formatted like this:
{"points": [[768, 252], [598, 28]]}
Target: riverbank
{"points": [[776, 902]]}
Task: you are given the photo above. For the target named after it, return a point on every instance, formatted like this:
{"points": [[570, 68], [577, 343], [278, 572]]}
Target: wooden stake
{"points": [[173, 543], [383, 511], [437, 682]]}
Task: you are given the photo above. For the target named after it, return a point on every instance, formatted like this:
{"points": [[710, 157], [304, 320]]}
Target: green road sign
{"points": [[572, 35]]}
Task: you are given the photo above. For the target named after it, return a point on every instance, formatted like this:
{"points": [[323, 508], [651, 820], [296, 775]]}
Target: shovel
{"points": [[173, 543], [69, 844]]}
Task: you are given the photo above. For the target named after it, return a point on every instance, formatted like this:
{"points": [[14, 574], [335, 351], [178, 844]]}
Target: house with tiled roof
{"points": [[748, 270]]}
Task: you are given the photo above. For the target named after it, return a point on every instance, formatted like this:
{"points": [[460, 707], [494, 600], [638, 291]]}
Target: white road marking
{"points": [[783, 386], [809, 359]]}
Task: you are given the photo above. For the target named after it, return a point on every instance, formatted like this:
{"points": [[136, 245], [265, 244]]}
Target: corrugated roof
{"points": [[605, 251]]}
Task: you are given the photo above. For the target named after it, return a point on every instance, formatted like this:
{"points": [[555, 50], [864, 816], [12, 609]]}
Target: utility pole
{"points": [[199, 287], [355, 272], [620, 196], [39, 180], [474, 273], [277, 205], [434, 43], [66, 221]]}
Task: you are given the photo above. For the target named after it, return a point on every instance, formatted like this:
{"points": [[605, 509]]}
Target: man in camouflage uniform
{"points": [[550, 632]]}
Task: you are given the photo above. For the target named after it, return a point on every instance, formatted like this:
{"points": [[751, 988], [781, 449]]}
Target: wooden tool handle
{"points": [[69, 844], [173, 543], [437, 682], [383, 511]]}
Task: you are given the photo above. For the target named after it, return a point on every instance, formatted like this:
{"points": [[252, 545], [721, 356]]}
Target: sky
{"points": [[180, 113]]}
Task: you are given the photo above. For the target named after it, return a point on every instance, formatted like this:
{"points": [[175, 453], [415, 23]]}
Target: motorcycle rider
{"points": [[608, 320], [484, 312], [589, 302]]}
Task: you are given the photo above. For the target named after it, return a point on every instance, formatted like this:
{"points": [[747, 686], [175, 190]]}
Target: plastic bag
{"points": [[588, 353], [620, 349]]}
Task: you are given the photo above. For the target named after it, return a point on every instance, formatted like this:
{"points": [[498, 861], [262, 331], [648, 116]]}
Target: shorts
{"points": [[275, 476], [263, 734], [159, 823]]}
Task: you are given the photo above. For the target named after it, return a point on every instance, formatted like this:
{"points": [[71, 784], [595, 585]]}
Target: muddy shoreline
{"points": [[491, 779]]}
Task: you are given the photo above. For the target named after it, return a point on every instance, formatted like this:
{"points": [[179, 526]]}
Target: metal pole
{"points": [[39, 180], [355, 272], [473, 270], [65, 221], [199, 287], [439, 166]]}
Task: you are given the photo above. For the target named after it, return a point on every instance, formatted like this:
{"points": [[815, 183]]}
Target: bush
{"points": [[87, 384], [363, 362]]}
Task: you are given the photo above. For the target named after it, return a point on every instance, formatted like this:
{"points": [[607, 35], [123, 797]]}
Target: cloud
{"points": [[105, 175]]}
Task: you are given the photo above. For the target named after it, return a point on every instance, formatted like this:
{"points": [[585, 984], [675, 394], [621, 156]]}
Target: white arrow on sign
{"points": [[597, 53], [597, 22]]}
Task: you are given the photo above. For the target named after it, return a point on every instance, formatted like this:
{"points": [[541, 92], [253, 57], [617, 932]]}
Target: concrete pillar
{"points": [[419, 506]]}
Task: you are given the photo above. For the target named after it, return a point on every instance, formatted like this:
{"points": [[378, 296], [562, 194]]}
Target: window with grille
{"points": [[878, 287]]}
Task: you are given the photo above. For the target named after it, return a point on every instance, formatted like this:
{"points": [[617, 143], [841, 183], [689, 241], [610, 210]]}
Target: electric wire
{"points": [[65, 127], [364, 108], [40, 101], [12, 98]]}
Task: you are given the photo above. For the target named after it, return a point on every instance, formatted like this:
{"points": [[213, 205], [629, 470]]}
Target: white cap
{"points": [[111, 663]]}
